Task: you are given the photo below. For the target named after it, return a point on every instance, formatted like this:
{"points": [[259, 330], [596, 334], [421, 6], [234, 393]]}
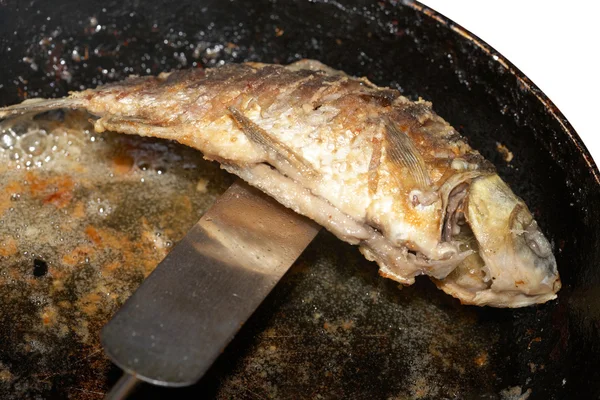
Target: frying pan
{"points": [[332, 328]]}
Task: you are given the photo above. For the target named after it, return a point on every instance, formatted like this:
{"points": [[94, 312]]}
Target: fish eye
{"points": [[536, 241], [530, 233]]}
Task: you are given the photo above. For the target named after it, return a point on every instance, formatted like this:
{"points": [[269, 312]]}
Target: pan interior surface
{"points": [[332, 328]]}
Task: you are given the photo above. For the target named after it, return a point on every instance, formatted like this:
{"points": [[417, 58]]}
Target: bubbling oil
{"points": [[84, 217]]}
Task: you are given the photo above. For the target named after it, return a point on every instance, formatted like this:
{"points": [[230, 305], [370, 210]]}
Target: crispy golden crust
{"points": [[330, 120], [372, 148]]}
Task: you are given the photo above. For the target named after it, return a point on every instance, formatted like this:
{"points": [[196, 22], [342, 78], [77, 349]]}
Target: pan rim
{"points": [[525, 81]]}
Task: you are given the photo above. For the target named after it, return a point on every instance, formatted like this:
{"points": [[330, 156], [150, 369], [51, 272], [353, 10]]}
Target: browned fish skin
{"points": [[373, 167]]}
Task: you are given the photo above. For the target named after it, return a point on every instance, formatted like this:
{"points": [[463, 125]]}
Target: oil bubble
{"points": [[34, 142], [100, 207], [7, 139], [16, 154]]}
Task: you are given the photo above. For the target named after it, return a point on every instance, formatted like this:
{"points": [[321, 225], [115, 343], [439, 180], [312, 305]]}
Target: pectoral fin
{"points": [[270, 144], [374, 164], [405, 158]]}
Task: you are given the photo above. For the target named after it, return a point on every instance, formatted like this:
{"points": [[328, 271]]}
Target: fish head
{"points": [[512, 264]]}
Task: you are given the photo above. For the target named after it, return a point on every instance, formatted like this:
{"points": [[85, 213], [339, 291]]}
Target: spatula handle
{"points": [[123, 388]]}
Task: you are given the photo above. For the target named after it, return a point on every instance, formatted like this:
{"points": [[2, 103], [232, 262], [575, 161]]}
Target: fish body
{"points": [[376, 169]]}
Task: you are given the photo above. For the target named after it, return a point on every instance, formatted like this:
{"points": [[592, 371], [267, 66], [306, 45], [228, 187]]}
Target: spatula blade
{"points": [[171, 330]]}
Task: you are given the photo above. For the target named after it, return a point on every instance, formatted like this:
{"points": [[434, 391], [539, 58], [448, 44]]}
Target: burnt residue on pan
{"points": [[332, 328]]}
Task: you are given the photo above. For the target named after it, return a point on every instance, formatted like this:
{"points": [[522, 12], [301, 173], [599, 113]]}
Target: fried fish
{"points": [[376, 169]]}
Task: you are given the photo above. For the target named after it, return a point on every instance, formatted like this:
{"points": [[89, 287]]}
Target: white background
{"points": [[555, 43]]}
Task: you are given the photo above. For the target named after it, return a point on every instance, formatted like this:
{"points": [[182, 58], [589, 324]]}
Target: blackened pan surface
{"points": [[333, 328]]}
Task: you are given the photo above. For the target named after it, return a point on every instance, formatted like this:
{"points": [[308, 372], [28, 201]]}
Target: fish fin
{"points": [[374, 164], [314, 65], [39, 105], [266, 141], [138, 126], [403, 154]]}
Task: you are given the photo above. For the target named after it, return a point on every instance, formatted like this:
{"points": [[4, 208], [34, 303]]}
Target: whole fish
{"points": [[376, 169]]}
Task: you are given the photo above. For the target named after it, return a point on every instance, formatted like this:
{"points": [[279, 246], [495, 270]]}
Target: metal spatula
{"points": [[171, 330]]}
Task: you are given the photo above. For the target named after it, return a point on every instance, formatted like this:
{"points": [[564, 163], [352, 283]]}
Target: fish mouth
{"points": [[493, 298], [474, 282], [510, 262]]}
